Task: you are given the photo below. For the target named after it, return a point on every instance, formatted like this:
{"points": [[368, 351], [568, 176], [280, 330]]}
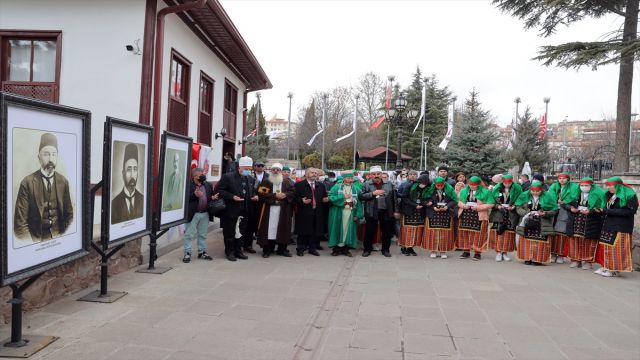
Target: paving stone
{"points": [[433, 345]]}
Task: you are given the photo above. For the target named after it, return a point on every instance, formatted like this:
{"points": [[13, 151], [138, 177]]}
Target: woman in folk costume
{"points": [[504, 218], [537, 209], [585, 224], [441, 214], [565, 192], [344, 213], [614, 250], [473, 213], [413, 209]]}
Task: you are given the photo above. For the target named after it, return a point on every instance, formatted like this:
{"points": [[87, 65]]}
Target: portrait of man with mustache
{"points": [[129, 203], [43, 209]]}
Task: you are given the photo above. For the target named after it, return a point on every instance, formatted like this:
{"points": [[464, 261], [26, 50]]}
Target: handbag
{"points": [[216, 207]]}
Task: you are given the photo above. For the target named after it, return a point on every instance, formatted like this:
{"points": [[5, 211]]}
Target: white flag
{"points": [[314, 137], [343, 137], [423, 107], [447, 138]]}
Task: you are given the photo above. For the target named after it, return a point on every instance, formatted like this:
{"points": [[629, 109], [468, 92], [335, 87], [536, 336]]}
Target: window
{"points": [[31, 63], [205, 112], [230, 109], [178, 114]]}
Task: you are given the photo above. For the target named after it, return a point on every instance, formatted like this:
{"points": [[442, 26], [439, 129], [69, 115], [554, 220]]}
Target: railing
{"points": [[38, 90]]}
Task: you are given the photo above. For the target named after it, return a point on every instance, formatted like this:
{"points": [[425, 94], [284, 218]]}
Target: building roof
{"points": [[214, 27], [380, 151]]}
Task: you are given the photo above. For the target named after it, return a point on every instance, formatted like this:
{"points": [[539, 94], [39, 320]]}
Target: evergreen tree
{"points": [[257, 145], [527, 146], [307, 129], [472, 149]]}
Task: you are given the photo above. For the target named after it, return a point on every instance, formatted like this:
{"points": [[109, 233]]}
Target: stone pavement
{"points": [[334, 308]]}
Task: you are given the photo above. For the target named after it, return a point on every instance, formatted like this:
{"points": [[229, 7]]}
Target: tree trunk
{"points": [[625, 87]]}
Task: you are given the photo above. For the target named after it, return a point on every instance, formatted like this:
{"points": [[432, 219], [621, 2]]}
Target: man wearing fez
{"points": [[236, 188], [274, 213], [129, 204], [43, 208]]}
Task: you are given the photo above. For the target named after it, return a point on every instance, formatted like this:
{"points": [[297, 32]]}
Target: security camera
{"points": [[129, 47], [135, 49]]}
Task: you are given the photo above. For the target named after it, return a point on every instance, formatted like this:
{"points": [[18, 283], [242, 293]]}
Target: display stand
{"points": [[102, 295], [153, 251]]}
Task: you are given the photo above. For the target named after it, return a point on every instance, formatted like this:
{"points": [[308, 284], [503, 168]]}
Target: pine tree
{"points": [[527, 145], [472, 149], [258, 145], [307, 129]]}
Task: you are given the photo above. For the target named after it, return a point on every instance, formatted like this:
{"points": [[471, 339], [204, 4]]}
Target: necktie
{"points": [[130, 203], [48, 184], [313, 195]]}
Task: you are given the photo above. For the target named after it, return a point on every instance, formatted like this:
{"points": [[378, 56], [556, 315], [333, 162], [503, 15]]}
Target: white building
{"points": [[98, 55]]}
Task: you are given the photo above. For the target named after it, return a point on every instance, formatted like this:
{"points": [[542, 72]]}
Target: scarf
{"points": [[546, 200], [482, 193], [448, 189], [571, 191], [623, 191]]}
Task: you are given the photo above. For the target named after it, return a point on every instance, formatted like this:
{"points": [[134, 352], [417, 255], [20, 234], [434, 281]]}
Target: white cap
{"points": [[245, 161], [277, 165], [375, 169]]}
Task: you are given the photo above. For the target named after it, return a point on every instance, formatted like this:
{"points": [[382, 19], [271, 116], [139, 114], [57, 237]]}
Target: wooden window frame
{"points": [[231, 132], [207, 78], [187, 86], [6, 34]]}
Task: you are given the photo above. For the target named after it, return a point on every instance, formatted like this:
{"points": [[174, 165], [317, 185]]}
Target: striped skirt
{"points": [[476, 240], [502, 243], [533, 250], [616, 257], [581, 249], [439, 239], [560, 244], [410, 235]]}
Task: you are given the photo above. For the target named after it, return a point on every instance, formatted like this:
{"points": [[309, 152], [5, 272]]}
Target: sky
{"points": [[306, 46]]}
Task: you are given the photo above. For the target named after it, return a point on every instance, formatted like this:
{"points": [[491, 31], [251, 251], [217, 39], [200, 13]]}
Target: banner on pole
{"points": [[447, 137], [314, 137]]}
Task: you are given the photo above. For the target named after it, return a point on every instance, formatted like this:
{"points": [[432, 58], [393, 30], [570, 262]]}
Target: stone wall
{"points": [[70, 278]]}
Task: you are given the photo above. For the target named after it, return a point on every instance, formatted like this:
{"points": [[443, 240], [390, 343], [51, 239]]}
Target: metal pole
{"points": [[424, 120], [355, 132], [324, 125], [399, 154], [290, 96], [258, 95], [386, 158]]}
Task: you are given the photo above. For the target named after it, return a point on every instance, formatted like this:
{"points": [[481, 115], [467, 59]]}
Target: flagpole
{"points": [[324, 124], [424, 120], [387, 105], [290, 96], [355, 132]]}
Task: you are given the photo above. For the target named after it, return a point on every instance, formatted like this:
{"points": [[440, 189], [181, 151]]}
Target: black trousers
{"points": [[310, 242], [386, 229], [231, 244], [271, 245]]}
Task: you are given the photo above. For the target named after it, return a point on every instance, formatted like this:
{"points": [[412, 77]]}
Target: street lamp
{"points": [[290, 96], [397, 116]]}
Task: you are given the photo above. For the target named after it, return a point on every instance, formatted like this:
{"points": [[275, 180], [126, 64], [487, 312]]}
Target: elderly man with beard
{"points": [[274, 217], [43, 208], [379, 209], [129, 203]]}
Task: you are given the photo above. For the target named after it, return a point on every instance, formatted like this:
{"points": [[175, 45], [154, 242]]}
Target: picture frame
{"points": [[45, 205], [126, 181], [175, 157]]}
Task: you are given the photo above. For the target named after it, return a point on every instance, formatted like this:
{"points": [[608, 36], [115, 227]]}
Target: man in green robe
{"points": [[344, 212]]}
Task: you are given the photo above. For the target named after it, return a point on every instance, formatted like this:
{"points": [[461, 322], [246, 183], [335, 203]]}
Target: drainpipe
{"points": [[157, 79]]}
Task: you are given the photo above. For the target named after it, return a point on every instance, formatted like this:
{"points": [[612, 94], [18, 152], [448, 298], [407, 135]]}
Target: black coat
{"points": [[370, 203], [193, 200], [305, 214], [233, 184], [408, 206], [119, 212], [620, 219]]}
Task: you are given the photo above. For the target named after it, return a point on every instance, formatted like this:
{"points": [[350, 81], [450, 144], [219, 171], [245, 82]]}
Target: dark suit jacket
{"points": [[119, 209], [230, 184], [193, 199], [305, 214], [30, 205]]}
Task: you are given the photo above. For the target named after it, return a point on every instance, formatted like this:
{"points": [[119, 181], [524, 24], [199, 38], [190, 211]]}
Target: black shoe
{"points": [[465, 255], [249, 250], [265, 255], [240, 255], [230, 257], [335, 251], [403, 250], [412, 252], [534, 263], [348, 253], [186, 258], [366, 253], [300, 252], [386, 253], [318, 247], [285, 253], [314, 252], [477, 256], [204, 256]]}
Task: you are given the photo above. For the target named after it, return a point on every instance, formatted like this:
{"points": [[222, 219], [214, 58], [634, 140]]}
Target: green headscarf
{"points": [[623, 191], [448, 189], [596, 199], [415, 191], [569, 194], [514, 191], [482, 193], [548, 202]]}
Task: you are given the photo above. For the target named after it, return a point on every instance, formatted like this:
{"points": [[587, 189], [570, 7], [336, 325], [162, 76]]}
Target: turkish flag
{"points": [[377, 123]]}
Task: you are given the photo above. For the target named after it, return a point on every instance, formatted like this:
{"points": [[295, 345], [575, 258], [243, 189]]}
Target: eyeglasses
{"points": [[259, 165]]}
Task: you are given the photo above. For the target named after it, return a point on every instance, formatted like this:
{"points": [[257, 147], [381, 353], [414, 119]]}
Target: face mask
{"points": [[422, 186], [332, 179], [323, 178], [585, 188], [246, 172], [521, 181], [202, 178]]}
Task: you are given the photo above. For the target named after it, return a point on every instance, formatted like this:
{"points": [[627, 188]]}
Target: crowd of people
{"points": [[541, 223]]}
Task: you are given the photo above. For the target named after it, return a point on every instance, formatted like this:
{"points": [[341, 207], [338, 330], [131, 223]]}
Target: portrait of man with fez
{"points": [[129, 203], [43, 208]]}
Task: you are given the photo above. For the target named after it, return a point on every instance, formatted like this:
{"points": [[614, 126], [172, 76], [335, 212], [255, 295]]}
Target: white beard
{"points": [[276, 179]]}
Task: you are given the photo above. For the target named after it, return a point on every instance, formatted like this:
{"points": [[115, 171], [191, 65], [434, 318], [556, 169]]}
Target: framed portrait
{"points": [[126, 181], [174, 177], [44, 176]]}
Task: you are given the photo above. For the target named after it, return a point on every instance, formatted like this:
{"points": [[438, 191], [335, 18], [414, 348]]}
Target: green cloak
{"points": [[336, 202], [448, 189], [547, 200], [597, 198], [482, 193], [514, 192], [623, 192], [569, 194]]}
